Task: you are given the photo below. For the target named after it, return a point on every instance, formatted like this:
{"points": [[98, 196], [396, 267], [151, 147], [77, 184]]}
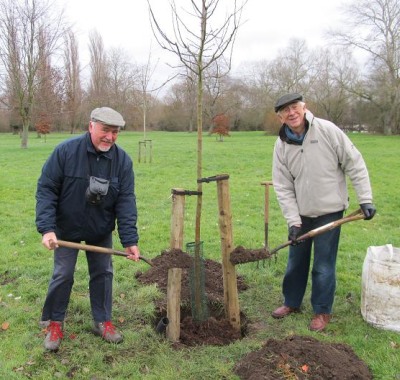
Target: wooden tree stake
{"points": [[231, 297], [177, 216], [174, 304]]}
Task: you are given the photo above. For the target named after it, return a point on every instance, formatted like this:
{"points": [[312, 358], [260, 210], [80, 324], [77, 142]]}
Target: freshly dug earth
{"points": [[299, 357], [294, 357], [216, 330], [241, 255], [175, 258]]}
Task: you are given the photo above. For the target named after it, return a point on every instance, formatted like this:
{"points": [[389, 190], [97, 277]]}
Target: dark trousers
{"points": [[323, 274], [100, 283]]}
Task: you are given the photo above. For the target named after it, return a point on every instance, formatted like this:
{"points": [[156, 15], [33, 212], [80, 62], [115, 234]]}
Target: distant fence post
{"points": [[144, 152]]}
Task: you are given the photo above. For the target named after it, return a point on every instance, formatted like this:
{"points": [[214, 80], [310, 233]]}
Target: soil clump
{"points": [[241, 255]]}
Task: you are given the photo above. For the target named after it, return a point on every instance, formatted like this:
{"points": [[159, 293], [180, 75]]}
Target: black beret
{"points": [[287, 99]]}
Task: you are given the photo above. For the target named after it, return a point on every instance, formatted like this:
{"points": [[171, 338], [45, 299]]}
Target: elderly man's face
{"points": [[293, 116], [103, 136]]}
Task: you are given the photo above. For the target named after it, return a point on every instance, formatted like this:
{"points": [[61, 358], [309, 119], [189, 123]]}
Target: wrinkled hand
{"points": [[133, 252], [49, 240], [294, 233], [369, 210]]}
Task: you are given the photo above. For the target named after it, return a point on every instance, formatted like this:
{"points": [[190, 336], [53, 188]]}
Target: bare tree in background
{"points": [[184, 92], [121, 79], [334, 72], [197, 51], [145, 73], [373, 26], [179, 106], [215, 85], [28, 29], [255, 94], [190, 99], [98, 88], [72, 81], [49, 90], [148, 93], [290, 70]]}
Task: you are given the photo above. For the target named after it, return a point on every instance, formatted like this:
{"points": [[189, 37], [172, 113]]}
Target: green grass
{"points": [[25, 266]]}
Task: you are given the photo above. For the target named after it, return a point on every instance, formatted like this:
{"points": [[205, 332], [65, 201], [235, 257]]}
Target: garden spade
{"points": [[356, 215], [241, 255], [94, 248]]}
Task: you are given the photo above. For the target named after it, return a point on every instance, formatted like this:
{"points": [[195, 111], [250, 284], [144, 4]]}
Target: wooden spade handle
{"points": [[356, 215], [94, 248]]}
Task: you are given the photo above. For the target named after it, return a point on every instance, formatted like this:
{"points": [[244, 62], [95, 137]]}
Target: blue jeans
{"points": [[100, 283], [323, 274]]}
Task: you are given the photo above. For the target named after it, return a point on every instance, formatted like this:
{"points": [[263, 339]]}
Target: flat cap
{"points": [[108, 116], [287, 99]]}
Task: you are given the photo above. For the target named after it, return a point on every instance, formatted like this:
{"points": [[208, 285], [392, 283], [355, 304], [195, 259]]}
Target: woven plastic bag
{"points": [[380, 296]]}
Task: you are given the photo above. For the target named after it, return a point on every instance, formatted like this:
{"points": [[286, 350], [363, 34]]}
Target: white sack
{"points": [[380, 296]]}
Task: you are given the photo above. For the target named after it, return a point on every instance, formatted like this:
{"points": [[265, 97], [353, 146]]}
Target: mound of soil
{"points": [[298, 357], [215, 330], [175, 258]]}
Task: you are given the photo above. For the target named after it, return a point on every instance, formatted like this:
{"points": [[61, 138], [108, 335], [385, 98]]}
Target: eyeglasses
{"points": [[291, 107]]}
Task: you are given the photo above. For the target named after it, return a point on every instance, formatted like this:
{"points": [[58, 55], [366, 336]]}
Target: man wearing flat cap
{"points": [[85, 188], [311, 161]]}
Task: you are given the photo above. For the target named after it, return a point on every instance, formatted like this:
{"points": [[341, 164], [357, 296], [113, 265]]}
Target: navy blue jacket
{"points": [[61, 205]]}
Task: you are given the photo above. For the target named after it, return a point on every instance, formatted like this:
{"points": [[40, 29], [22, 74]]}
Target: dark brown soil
{"points": [[241, 255], [215, 330], [299, 357], [175, 258], [295, 357]]}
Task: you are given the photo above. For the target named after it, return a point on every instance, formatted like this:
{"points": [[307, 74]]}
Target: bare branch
{"points": [[211, 43]]}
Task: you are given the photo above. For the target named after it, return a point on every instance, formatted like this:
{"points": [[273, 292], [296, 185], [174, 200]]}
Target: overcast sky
{"points": [[267, 26]]}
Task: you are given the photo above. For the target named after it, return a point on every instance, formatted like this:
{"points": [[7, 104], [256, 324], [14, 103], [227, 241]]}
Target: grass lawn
{"points": [[25, 266]]}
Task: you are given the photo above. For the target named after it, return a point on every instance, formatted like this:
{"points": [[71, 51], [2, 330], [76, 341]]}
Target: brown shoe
{"points": [[283, 311], [319, 322]]}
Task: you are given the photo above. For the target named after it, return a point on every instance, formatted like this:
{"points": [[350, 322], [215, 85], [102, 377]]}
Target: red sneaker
{"points": [[107, 331], [54, 335]]}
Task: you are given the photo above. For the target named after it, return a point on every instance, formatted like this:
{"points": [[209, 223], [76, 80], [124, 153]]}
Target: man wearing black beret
{"points": [[312, 158]]}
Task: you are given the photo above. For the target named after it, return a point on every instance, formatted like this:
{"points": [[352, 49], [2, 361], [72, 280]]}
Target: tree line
{"points": [[42, 81]]}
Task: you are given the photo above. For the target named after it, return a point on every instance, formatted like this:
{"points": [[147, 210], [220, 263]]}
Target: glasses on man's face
{"points": [[291, 107]]}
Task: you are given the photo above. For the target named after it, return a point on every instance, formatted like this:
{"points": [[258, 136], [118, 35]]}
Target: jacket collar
{"points": [[287, 138]]}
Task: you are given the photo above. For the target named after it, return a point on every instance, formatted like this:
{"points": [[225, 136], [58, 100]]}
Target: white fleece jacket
{"points": [[310, 179]]}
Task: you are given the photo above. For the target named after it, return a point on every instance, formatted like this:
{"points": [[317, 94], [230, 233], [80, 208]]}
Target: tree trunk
{"points": [[24, 135], [197, 260]]}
